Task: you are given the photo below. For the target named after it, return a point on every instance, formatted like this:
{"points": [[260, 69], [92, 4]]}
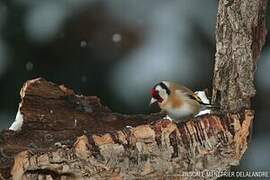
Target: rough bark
{"points": [[67, 136], [240, 35]]}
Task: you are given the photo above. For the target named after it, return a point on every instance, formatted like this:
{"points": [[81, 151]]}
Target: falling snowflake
{"points": [[83, 44], [83, 78], [116, 38], [29, 66]]}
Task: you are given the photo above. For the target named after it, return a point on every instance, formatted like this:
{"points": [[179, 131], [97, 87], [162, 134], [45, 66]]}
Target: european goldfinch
{"points": [[177, 101]]}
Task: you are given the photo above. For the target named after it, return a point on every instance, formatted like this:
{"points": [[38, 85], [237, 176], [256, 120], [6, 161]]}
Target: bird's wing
{"points": [[190, 94], [196, 98]]}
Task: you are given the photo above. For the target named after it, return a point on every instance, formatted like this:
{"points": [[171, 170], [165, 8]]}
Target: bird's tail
{"points": [[209, 106]]}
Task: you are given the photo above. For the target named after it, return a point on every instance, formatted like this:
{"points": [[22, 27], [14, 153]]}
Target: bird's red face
{"points": [[156, 96], [160, 92]]}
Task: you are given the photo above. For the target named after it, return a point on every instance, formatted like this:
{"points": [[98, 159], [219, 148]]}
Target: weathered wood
{"points": [[55, 114], [99, 145], [240, 36]]}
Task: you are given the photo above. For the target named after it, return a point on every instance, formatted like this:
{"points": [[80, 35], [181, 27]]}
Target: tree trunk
{"points": [[69, 136], [240, 36]]}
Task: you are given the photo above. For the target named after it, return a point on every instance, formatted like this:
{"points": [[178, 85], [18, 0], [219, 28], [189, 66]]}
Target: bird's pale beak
{"points": [[152, 101]]}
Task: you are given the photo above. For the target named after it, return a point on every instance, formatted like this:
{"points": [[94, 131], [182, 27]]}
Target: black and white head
{"points": [[160, 92]]}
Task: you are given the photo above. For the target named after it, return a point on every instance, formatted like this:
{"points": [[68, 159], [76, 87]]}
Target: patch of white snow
{"points": [[17, 124]]}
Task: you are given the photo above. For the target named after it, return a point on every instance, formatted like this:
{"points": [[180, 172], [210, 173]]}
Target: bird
{"points": [[178, 101]]}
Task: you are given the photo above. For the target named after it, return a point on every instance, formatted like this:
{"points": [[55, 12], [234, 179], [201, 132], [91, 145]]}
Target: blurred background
{"points": [[118, 50]]}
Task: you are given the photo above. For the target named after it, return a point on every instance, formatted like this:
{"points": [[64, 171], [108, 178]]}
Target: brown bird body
{"points": [[178, 101]]}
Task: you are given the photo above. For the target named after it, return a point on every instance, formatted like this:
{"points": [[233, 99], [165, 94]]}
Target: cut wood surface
{"points": [[69, 136]]}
